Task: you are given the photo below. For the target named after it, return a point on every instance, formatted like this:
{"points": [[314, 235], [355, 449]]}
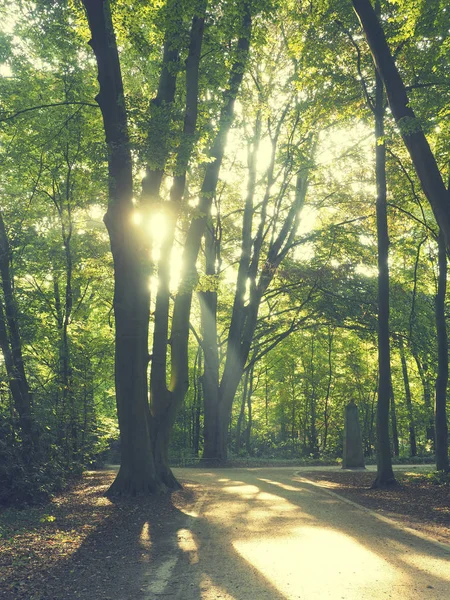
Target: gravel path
{"points": [[267, 534]]}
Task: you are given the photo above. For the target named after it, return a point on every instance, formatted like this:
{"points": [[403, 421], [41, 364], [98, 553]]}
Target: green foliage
{"points": [[439, 478], [304, 80]]}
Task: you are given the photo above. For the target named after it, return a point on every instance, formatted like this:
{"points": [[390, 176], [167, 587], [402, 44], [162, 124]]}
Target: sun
{"points": [[157, 227]]}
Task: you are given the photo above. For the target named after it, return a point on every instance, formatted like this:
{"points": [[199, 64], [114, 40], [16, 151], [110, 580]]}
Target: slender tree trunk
{"points": [[248, 429], [385, 474], [158, 386], [241, 413], [166, 400], [441, 427], [372, 420], [11, 345], [423, 159], [412, 430], [313, 441], [208, 306], [293, 407], [327, 395], [215, 435], [393, 409], [243, 322], [196, 408], [424, 378], [161, 109]]}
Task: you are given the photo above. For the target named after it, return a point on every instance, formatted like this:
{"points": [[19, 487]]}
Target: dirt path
{"points": [[234, 534], [266, 534]]}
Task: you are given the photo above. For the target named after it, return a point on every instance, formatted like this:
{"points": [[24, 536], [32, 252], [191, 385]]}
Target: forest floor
{"points": [[81, 545]]}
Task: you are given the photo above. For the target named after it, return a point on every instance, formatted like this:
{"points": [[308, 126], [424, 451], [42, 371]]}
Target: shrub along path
{"points": [[233, 534]]}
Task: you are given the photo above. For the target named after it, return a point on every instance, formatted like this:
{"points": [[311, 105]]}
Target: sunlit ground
{"points": [[301, 544]]}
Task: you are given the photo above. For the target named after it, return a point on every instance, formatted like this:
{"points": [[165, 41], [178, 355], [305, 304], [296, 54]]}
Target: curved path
{"points": [[267, 534]]}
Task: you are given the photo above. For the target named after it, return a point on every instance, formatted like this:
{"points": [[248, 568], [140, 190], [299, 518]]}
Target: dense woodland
{"points": [[220, 223]]}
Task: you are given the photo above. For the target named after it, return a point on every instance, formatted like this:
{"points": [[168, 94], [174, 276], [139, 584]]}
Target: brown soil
{"points": [[415, 501], [82, 546]]}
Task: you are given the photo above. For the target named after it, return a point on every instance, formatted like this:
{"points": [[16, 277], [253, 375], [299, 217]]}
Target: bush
{"points": [[25, 480], [439, 477]]}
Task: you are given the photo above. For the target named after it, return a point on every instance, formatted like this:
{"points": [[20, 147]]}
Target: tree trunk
{"points": [[412, 430], [208, 307], [196, 408], [372, 419], [241, 416], [11, 345], [158, 386], [395, 444], [244, 319], [385, 474], [248, 429], [410, 128], [139, 471], [424, 378], [293, 410], [327, 395], [441, 427]]}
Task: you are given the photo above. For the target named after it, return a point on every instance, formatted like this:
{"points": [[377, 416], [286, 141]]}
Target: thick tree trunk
{"points": [[138, 472], [441, 427], [385, 474], [412, 429], [410, 128]]}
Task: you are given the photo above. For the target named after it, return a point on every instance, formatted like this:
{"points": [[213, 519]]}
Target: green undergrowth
{"points": [[435, 477]]}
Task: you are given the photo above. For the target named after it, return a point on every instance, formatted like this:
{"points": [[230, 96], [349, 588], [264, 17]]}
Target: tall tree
{"points": [[441, 428], [138, 472], [145, 447], [410, 128], [11, 346]]}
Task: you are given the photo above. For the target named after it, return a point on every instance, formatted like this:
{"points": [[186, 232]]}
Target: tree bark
{"points": [[158, 386], [138, 471], [412, 430], [11, 345], [423, 159], [241, 416], [160, 116], [385, 474], [426, 385], [393, 409], [244, 319], [328, 392], [441, 427], [248, 429]]}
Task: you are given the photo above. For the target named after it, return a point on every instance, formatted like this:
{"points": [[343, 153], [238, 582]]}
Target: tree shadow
{"points": [[147, 547], [421, 565], [231, 539]]}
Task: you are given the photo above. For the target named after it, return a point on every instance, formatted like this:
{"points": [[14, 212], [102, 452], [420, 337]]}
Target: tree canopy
{"points": [[219, 224]]}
